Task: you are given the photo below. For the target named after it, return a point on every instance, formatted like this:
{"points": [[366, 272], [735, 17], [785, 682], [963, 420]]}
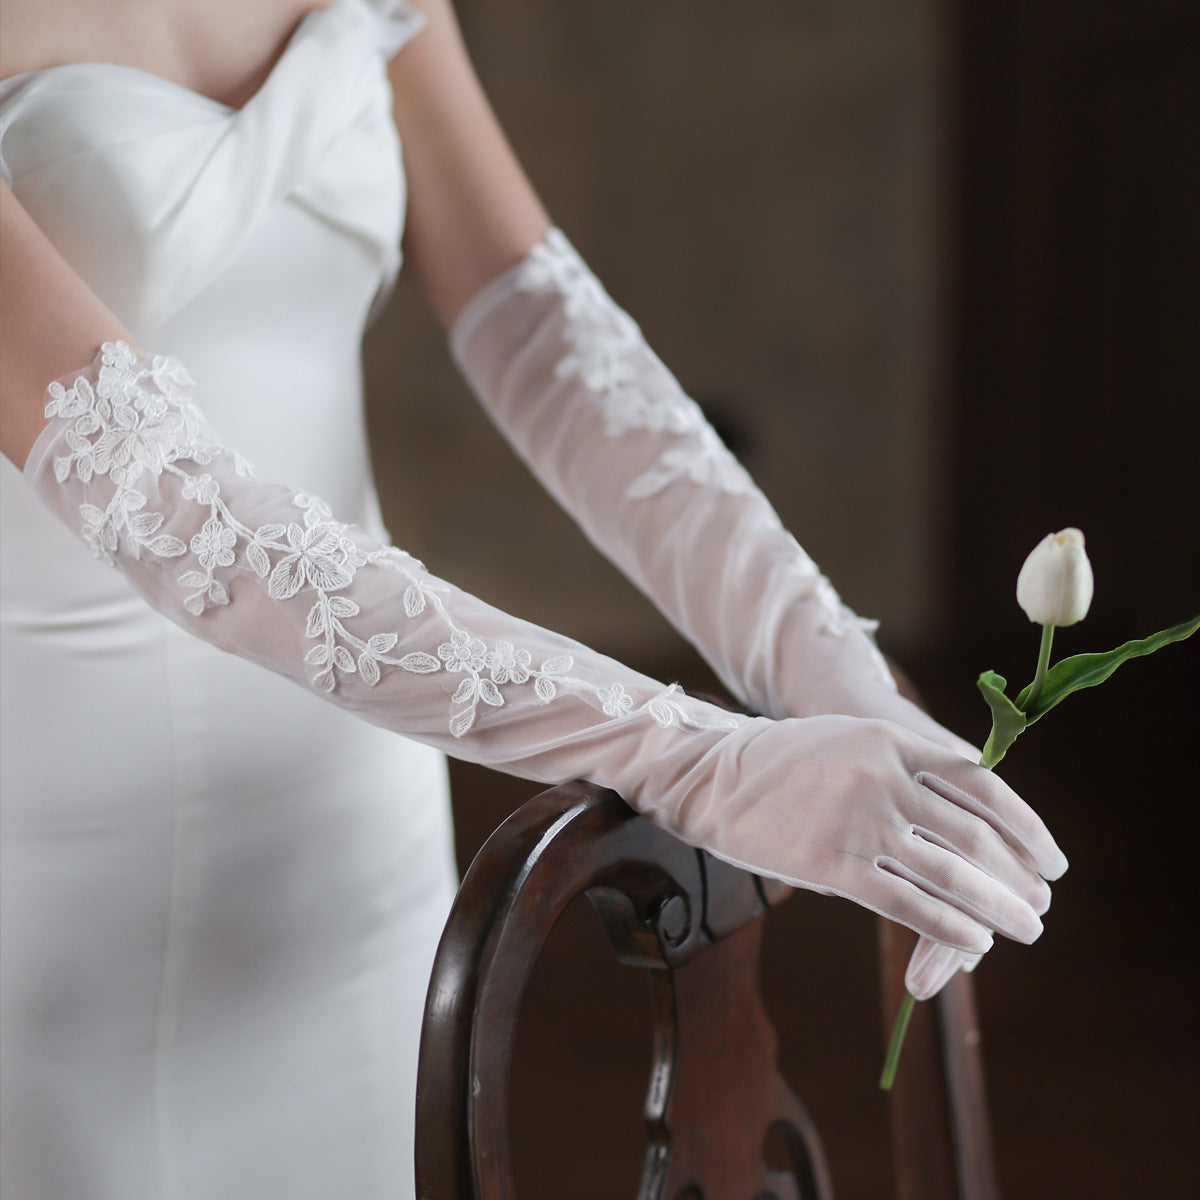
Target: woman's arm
{"points": [[472, 213], [50, 323]]}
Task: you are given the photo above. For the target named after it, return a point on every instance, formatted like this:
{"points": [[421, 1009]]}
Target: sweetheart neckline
{"points": [[309, 17]]}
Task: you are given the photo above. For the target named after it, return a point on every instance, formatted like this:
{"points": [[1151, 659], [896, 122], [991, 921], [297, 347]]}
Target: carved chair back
{"points": [[695, 924]]}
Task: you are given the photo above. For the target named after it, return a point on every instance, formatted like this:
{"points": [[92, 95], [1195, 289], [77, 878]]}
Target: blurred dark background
{"points": [[932, 267]]}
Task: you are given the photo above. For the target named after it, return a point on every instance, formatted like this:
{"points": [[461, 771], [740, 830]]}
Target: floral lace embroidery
{"points": [[124, 430], [610, 357]]}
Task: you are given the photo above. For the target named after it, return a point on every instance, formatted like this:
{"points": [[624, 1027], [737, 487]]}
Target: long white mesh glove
{"points": [[861, 809], [568, 378]]}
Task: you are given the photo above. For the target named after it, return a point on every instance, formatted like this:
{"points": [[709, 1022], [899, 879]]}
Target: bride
{"points": [[222, 892]]}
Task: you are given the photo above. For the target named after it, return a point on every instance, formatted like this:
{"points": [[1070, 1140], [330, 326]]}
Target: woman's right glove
{"points": [[859, 808]]}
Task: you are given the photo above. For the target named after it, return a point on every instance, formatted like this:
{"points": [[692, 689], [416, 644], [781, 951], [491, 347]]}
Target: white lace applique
{"points": [[838, 618], [609, 356], [138, 425]]}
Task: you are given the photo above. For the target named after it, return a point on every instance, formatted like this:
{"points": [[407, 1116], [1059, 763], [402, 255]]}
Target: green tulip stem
{"points": [[899, 1029], [1035, 688]]}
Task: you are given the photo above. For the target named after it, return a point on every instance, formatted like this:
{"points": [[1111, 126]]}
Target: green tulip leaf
{"points": [[1087, 670], [1008, 721]]}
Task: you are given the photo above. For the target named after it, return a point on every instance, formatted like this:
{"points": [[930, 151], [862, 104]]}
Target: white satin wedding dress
{"points": [[220, 896]]}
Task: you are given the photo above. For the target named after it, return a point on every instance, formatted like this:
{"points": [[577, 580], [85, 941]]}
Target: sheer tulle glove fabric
{"points": [[568, 378], [864, 809]]}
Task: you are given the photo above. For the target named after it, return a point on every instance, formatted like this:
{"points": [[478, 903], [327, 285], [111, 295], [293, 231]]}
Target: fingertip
{"points": [[933, 965], [927, 974], [1055, 866], [1029, 931]]}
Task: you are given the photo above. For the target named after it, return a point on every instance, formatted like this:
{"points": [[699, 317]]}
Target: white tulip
{"points": [[1055, 583]]}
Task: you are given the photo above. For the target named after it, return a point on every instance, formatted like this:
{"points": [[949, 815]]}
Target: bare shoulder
{"points": [[221, 48]]}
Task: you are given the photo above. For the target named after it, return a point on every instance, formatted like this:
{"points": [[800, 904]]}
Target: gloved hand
{"points": [[568, 378], [858, 808]]}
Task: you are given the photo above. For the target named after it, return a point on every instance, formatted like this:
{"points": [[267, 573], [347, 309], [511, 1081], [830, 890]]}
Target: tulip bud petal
{"points": [[1055, 583]]}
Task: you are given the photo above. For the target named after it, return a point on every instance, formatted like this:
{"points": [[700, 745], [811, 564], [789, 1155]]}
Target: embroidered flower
{"points": [[128, 446], [214, 544], [508, 664], [463, 652], [204, 489], [119, 378], [317, 558], [615, 701], [169, 375]]}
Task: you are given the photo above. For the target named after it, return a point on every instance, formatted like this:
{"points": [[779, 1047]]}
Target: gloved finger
{"points": [[986, 795], [932, 966], [963, 886], [964, 834], [895, 897]]}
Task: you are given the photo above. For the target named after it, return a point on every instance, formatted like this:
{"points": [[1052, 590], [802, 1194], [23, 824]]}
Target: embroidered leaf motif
{"points": [[461, 723], [284, 582], [317, 623], [368, 670], [146, 524], [256, 556], [420, 664], [414, 601], [166, 546]]}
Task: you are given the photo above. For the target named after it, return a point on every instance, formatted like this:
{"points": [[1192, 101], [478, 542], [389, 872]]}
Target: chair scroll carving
{"points": [[695, 924]]}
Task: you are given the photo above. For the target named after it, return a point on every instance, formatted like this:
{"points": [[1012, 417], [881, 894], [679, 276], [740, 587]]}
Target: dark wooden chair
{"points": [[695, 924]]}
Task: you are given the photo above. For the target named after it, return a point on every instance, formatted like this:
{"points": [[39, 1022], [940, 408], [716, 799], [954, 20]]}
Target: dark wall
{"points": [[1077, 401]]}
